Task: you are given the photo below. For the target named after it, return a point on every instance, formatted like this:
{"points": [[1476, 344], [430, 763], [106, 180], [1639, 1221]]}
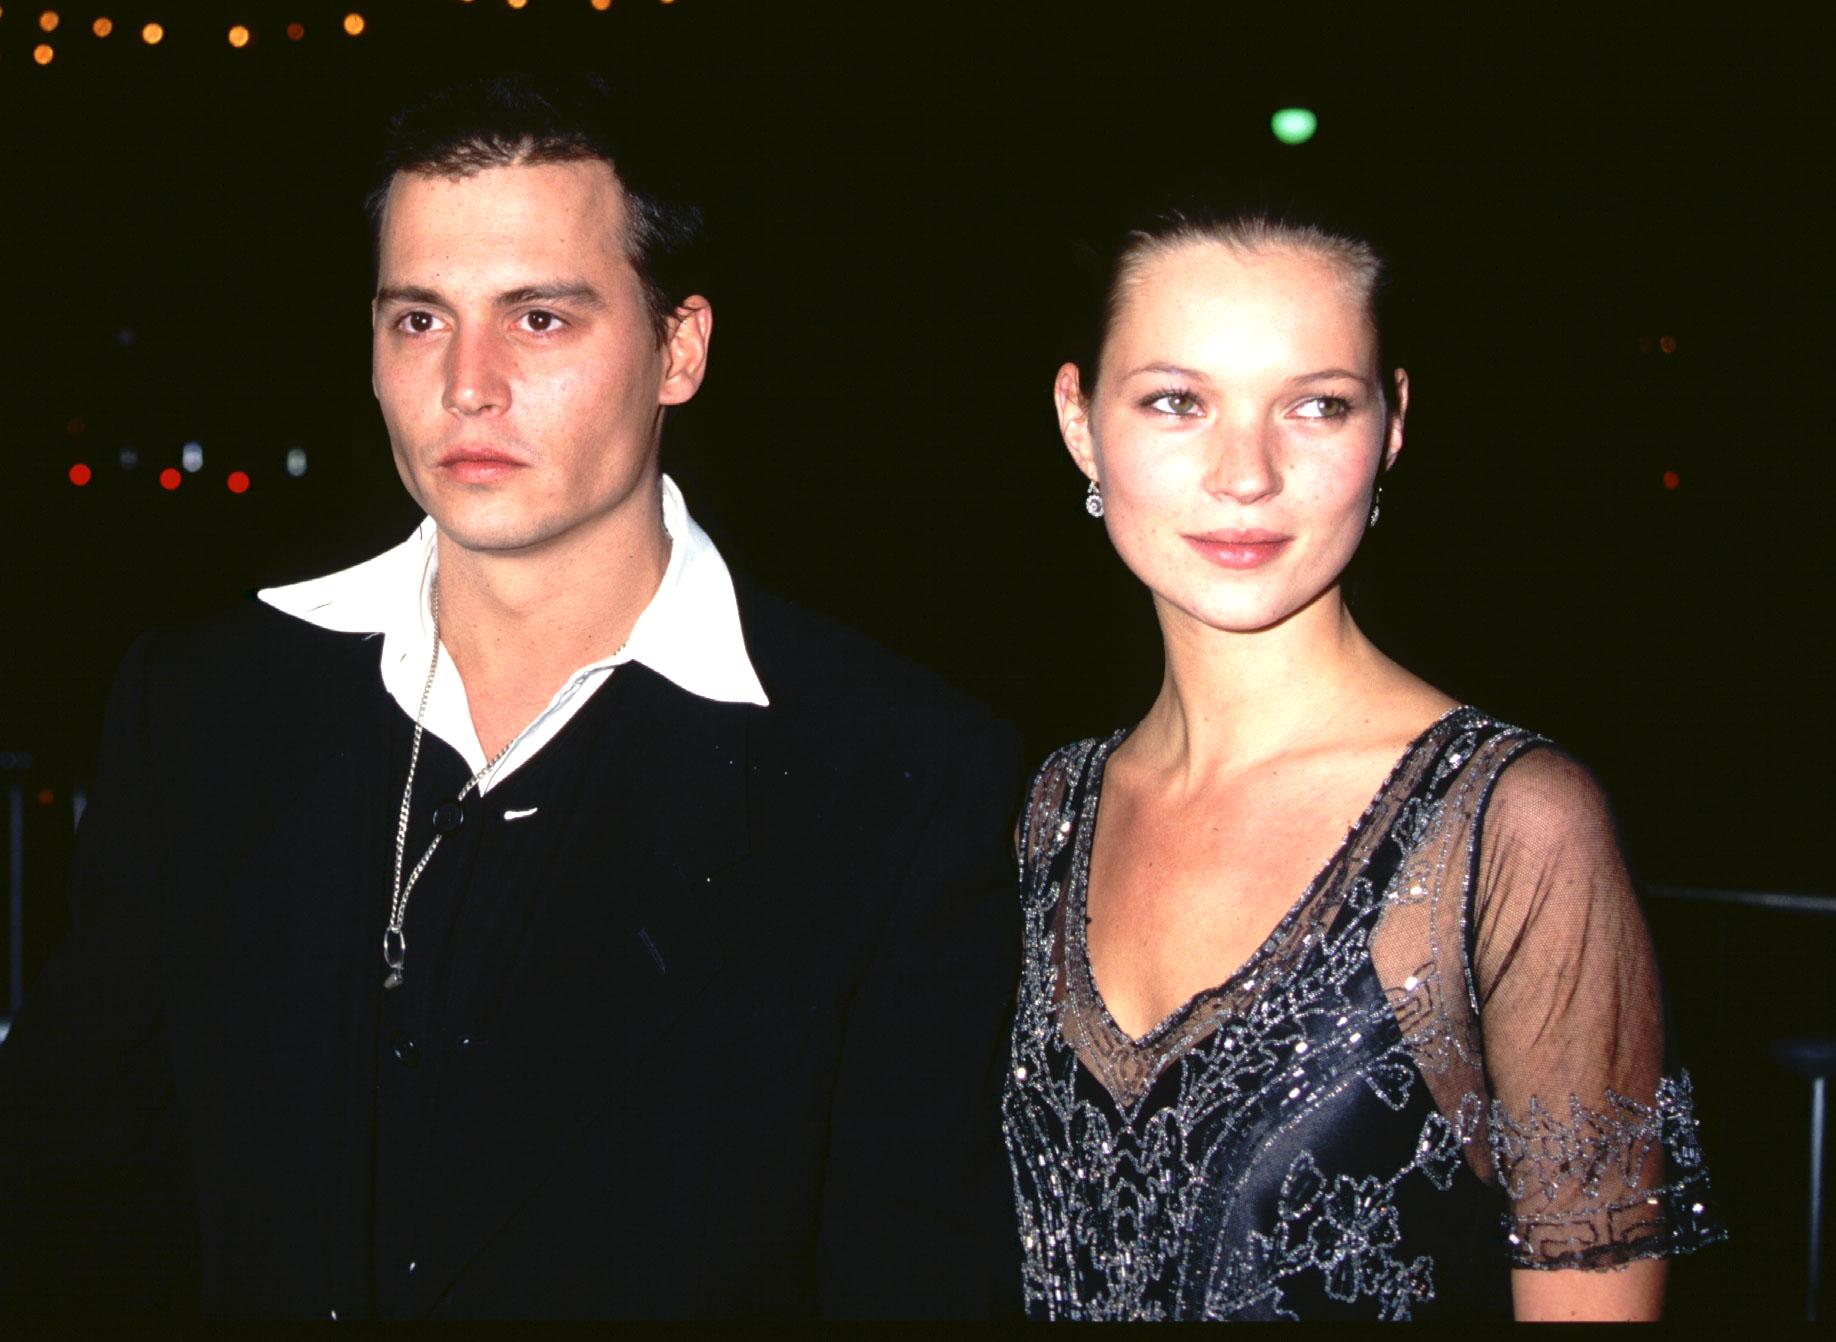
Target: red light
{"points": [[46, 796], [170, 478], [1672, 479], [239, 482], [80, 475], [75, 427]]}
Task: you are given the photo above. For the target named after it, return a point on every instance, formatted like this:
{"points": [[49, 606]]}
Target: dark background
{"points": [[1611, 233]]}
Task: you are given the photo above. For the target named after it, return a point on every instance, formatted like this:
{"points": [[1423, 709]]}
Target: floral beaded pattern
{"points": [[1329, 1132]]}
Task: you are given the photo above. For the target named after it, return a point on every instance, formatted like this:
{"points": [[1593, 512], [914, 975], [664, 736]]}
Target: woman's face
{"points": [[1237, 429]]}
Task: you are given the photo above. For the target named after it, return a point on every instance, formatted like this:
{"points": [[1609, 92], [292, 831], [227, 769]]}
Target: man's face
{"points": [[515, 359]]}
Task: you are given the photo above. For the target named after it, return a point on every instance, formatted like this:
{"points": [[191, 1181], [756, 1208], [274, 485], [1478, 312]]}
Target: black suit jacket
{"points": [[780, 1099]]}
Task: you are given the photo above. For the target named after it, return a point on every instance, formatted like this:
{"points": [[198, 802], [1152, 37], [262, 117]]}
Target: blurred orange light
{"points": [[153, 34], [48, 20], [170, 478], [353, 23], [602, 5], [46, 796], [1668, 344], [43, 54], [102, 27], [238, 36], [295, 31], [80, 474], [1672, 479], [516, 4]]}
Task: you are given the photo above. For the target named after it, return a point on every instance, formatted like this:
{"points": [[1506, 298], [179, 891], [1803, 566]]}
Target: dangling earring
{"points": [[1376, 505], [1093, 499]]}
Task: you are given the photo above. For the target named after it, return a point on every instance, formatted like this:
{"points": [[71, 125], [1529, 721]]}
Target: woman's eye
{"points": [[1182, 404], [1323, 407]]}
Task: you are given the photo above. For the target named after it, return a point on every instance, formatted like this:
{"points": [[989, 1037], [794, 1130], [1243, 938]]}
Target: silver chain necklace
{"points": [[395, 945]]}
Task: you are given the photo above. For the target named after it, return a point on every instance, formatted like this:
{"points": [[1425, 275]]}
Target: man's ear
{"points": [[1392, 447], [685, 350], [1074, 418]]}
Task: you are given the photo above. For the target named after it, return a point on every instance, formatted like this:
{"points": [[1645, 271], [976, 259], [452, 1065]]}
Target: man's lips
{"points": [[480, 464], [1239, 548]]}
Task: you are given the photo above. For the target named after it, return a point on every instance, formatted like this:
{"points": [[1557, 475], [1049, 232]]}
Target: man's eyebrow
{"points": [[407, 293], [582, 295]]}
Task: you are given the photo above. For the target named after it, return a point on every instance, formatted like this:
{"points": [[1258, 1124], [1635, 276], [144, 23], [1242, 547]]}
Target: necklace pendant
{"points": [[395, 955]]}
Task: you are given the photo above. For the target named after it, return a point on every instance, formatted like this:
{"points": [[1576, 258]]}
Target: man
{"points": [[528, 921]]}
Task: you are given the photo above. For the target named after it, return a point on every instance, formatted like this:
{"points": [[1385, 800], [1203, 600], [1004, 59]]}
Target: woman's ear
{"points": [[1392, 447], [1074, 418]]}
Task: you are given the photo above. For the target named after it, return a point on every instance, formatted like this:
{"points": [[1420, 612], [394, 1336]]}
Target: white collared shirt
{"points": [[689, 633]]}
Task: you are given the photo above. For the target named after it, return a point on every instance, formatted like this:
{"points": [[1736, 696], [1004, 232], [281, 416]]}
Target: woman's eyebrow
{"points": [[1329, 375], [1168, 370]]}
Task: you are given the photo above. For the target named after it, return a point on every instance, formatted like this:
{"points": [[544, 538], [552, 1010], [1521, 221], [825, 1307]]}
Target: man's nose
{"points": [[1244, 462], [477, 373]]}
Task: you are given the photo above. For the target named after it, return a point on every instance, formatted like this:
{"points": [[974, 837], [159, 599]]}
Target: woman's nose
{"points": [[1243, 464]]}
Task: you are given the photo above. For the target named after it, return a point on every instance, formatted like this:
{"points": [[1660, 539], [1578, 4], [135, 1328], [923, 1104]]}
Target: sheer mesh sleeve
{"points": [[1593, 1141]]}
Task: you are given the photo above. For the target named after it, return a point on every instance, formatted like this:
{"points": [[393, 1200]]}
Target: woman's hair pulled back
{"points": [[1108, 273]]}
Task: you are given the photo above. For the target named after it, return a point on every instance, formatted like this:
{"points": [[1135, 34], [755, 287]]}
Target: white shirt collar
{"points": [[689, 633]]}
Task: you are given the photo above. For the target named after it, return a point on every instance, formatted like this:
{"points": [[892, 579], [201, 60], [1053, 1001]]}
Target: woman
{"points": [[1337, 998]]}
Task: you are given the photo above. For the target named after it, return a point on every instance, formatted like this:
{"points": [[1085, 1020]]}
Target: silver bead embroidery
{"points": [[1115, 1200]]}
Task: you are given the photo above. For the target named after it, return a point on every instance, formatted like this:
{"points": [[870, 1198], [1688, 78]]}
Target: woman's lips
{"points": [[1239, 549]]}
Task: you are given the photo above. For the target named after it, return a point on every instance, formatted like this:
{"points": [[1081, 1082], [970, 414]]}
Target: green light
{"points": [[1294, 125]]}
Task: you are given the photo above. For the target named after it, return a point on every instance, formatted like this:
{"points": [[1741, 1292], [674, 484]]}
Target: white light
{"points": [[191, 457], [130, 458], [296, 462]]}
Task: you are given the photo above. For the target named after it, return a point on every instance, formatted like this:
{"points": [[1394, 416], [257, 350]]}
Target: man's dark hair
{"points": [[507, 120]]}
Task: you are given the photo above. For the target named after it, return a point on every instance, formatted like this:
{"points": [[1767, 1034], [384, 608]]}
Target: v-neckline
{"points": [[1077, 892]]}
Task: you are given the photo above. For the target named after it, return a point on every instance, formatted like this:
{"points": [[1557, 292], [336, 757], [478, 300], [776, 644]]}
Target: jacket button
{"points": [[406, 1051], [448, 816]]}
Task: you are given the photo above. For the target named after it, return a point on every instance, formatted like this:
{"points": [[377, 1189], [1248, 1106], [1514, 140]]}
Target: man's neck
{"points": [[518, 623]]}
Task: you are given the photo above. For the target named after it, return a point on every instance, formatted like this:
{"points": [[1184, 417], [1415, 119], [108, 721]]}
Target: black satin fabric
{"points": [[1445, 1062]]}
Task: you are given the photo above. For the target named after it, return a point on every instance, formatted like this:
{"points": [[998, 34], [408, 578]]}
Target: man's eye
{"points": [[541, 321], [418, 323], [1323, 407]]}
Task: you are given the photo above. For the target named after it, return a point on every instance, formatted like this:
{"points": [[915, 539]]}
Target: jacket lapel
{"points": [[621, 943]]}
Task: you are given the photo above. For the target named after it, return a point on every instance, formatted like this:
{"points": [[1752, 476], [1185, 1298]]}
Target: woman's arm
{"points": [[1591, 1139], [1632, 1294]]}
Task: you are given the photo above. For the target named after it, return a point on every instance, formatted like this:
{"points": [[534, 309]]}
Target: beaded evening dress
{"points": [[1447, 1060]]}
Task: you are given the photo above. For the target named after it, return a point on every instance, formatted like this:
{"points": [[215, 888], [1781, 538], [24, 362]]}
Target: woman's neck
{"points": [[1230, 700]]}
